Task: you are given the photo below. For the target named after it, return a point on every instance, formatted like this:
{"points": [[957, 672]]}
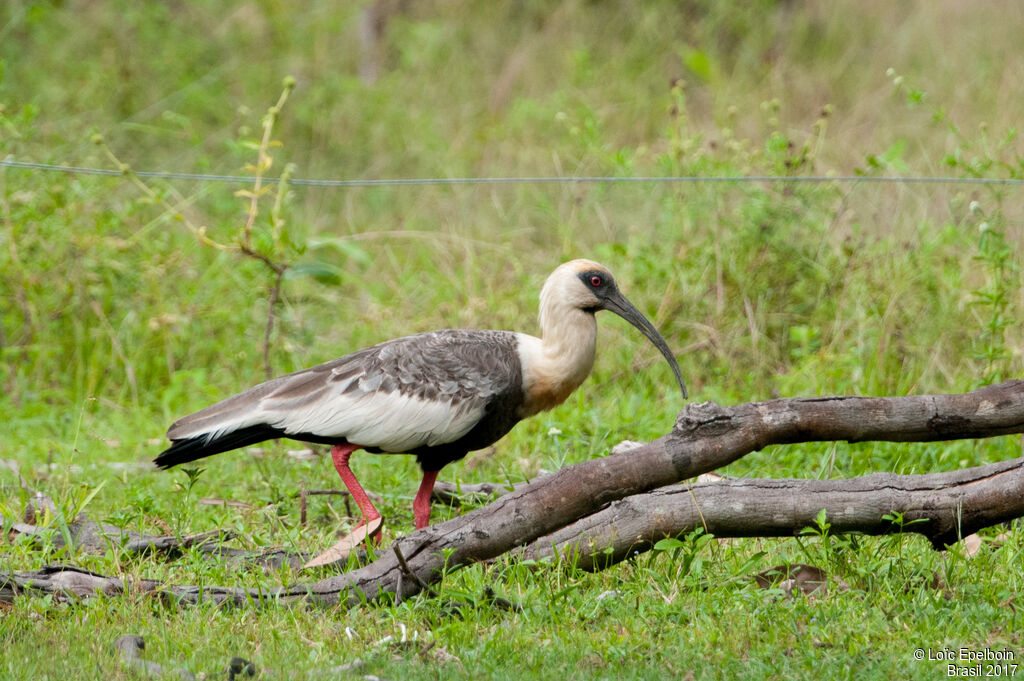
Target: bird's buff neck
{"points": [[558, 362]]}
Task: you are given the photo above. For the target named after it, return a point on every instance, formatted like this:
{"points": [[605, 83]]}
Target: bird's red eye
{"points": [[595, 281]]}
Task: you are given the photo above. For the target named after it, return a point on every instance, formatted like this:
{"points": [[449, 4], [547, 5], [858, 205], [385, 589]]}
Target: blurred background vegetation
{"points": [[115, 313], [124, 305]]}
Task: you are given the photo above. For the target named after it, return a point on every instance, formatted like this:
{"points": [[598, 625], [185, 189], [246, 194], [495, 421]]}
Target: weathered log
{"points": [[706, 436], [942, 507]]}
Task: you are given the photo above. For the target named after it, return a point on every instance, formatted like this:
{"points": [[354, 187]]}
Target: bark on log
{"points": [[706, 436], [942, 507]]}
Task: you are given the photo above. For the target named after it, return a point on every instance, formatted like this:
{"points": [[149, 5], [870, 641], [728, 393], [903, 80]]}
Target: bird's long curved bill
{"points": [[618, 304]]}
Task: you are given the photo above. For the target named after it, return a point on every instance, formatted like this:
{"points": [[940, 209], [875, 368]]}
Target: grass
{"points": [[115, 319]]}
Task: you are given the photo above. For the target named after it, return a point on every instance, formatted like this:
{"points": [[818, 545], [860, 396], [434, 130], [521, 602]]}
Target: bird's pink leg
{"points": [[421, 504], [341, 454]]}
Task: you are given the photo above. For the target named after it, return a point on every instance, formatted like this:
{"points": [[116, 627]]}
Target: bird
{"points": [[436, 395]]}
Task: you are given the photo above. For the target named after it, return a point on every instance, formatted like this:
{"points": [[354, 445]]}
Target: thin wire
{"points": [[242, 179]]}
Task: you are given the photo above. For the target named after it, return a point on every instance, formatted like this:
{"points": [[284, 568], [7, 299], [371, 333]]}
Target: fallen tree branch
{"points": [[942, 507], [706, 436]]}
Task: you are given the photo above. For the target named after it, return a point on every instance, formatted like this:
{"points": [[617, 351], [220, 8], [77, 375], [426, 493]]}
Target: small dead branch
{"points": [[304, 494], [273, 296], [412, 575], [452, 494], [93, 537], [211, 501], [342, 493]]}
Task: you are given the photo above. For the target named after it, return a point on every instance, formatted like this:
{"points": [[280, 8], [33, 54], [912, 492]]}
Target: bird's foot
{"points": [[366, 531]]}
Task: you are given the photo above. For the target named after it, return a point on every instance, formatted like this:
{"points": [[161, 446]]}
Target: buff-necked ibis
{"points": [[437, 395]]}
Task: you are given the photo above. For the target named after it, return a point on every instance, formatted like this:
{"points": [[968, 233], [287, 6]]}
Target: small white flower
{"points": [[974, 207], [983, 226], [554, 431]]}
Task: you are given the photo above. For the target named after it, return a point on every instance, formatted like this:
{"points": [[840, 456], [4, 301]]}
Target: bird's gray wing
{"points": [[421, 390]]}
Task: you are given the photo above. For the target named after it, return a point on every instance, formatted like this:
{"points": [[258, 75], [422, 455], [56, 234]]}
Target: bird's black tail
{"points": [[201, 446]]}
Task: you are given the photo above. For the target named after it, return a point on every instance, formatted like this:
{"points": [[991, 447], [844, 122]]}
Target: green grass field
{"points": [[116, 318]]}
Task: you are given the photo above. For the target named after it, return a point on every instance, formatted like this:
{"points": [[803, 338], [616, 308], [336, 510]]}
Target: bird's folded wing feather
{"points": [[421, 390]]}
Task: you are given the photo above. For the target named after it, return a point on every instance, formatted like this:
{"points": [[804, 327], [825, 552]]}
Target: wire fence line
{"points": [[719, 179]]}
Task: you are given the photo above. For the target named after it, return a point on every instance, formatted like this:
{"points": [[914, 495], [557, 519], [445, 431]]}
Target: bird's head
{"points": [[590, 287]]}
